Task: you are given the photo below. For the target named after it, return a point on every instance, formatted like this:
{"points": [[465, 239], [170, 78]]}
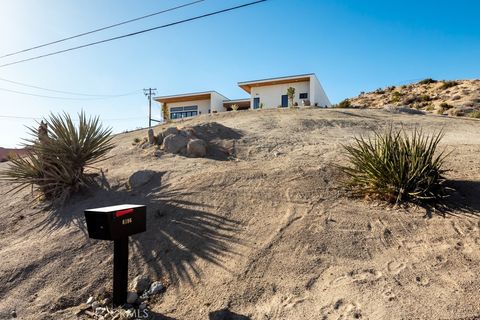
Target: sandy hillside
{"points": [[270, 235], [456, 98]]}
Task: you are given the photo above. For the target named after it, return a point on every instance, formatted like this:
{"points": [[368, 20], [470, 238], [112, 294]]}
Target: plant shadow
{"points": [[179, 232], [464, 199]]}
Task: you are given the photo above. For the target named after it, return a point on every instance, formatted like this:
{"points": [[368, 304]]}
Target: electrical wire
{"points": [[134, 33], [65, 98], [101, 29], [70, 92]]}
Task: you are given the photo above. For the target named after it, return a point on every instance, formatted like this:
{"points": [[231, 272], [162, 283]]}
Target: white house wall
{"points": [[271, 95], [217, 102], [318, 94]]}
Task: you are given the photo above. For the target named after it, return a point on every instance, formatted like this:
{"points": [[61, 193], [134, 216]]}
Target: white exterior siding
{"points": [[271, 96], [217, 102], [318, 94]]}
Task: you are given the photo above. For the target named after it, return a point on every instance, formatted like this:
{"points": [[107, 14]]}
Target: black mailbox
{"points": [[116, 222]]}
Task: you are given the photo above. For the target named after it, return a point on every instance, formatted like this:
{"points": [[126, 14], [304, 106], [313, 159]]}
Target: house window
{"points": [[303, 95], [183, 112]]}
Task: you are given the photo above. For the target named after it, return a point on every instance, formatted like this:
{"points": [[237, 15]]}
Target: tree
{"points": [[291, 95]]}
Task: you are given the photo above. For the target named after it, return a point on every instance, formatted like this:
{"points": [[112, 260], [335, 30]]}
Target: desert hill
{"points": [[267, 234], [5, 152], [457, 98]]}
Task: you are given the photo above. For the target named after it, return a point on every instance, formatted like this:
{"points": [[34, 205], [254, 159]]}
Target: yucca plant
{"points": [[397, 167], [58, 156]]}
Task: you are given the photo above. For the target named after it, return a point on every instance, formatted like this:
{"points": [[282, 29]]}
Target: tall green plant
{"points": [[395, 166], [56, 160], [291, 95]]}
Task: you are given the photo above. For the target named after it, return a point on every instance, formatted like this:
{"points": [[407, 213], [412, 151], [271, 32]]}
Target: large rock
{"points": [[151, 137], [171, 130], [175, 143], [140, 283], [132, 297], [140, 178], [197, 148], [160, 138], [156, 288]]}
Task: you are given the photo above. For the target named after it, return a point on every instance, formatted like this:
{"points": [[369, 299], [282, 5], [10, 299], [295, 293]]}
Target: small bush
{"points": [[58, 154], [379, 91], [446, 106], [448, 84], [396, 97], [454, 112], [474, 114], [424, 98], [136, 140], [396, 167], [427, 81], [430, 107], [344, 104]]}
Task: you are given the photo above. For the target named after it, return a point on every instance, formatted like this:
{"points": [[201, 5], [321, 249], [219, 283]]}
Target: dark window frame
{"points": [[303, 95]]}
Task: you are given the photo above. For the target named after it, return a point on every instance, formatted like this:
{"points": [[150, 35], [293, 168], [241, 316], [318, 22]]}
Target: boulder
{"points": [[140, 283], [132, 297], [197, 148], [175, 143], [140, 178], [171, 130], [156, 288], [151, 137], [160, 138]]}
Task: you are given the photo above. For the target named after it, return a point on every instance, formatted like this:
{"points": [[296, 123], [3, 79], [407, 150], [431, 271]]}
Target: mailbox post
{"points": [[117, 223]]}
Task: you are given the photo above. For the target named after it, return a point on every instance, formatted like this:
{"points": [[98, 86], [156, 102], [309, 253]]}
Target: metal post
{"points": [[120, 271]]}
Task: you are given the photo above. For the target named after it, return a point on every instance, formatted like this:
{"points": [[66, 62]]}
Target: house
{"points": [[272, 93], [265, 93], [191, 104]]}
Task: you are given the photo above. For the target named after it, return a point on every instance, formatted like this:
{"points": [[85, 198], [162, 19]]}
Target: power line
{"points": [[41, 118], [64, 98], [134, 33], [70, 92], [101, 29]]}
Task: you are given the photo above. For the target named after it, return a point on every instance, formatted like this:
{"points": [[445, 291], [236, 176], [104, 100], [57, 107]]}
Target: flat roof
{"points": [[205, 95], [247, 85], [236, 100]]}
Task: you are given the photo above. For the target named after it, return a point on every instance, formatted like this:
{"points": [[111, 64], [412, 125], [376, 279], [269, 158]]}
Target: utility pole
{"points": [[149, 93]]}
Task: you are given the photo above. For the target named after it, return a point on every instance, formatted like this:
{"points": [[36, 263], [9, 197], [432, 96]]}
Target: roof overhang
{"points": [[248, 85], [184, 97]]}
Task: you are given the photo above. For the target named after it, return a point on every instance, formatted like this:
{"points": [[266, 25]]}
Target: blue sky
{"points": [[352, 46]]}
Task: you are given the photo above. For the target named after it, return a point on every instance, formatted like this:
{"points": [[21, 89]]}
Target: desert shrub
{"points": [[424, 98], [396, 167], [440, 110], [427, 81], [396, 96], [474, 114], [379, 91], [12, 155], [344, 104], [136, 140], [448, 84], [57, 157], [446, 106], [430, 107], [454, 112]]}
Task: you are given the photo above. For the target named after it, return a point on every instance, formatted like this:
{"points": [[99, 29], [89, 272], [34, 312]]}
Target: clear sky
{"points": [[352, 46]]}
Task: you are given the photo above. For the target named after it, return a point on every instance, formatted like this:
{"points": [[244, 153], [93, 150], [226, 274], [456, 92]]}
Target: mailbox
{"points": [[116, 222]]}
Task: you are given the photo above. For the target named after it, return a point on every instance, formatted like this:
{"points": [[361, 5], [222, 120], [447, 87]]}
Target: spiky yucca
{"points": [[56, 164], [395, 166]]}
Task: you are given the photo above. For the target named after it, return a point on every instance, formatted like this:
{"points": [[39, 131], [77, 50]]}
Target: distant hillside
{"points": [[460, 97], [5, 151]]}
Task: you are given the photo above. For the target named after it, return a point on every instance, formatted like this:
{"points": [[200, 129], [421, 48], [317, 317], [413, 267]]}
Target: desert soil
{"points": [[269, 235]]}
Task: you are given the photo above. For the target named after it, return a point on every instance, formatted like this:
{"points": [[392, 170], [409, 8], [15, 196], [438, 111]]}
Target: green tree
{"points": [[291, 95]]}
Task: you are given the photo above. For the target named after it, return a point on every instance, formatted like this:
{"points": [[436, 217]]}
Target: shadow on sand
{"points": [[179, 232], [463, 200]]}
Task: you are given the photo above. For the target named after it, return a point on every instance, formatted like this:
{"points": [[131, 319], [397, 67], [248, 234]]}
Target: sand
{"points": [[269, 235]]}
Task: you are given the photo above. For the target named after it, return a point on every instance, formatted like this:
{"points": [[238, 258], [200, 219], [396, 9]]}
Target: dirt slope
{"points": [[270, 235]]}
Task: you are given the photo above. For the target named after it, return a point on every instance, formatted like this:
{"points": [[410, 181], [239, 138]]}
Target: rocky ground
{"points": [[455, 98], [266, 232]]}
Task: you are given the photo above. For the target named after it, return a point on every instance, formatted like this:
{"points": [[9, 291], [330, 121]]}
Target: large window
{"points": [[303, 95], [183, 112]]}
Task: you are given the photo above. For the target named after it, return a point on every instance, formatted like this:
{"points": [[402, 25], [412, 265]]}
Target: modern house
{"points": [[265, 93], [272, 93]]}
